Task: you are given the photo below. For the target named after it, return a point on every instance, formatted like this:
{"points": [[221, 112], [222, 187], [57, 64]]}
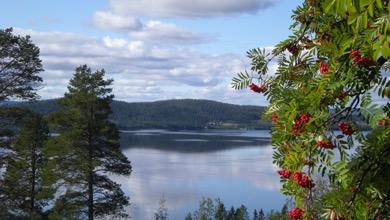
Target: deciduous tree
{"points": [[329, 72]]}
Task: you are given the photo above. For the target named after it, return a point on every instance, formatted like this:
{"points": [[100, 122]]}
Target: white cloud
{"points": [[114, 42], [106, 20], [152, 31], [142, 72], [188, 8], [159, 32]]}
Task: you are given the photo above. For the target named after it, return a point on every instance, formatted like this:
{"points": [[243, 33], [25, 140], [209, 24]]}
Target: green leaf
{"points": [[329, 6], [364, 20], [352, 19], [370, 10], [364, 3], [379, 4], [386, 50]]}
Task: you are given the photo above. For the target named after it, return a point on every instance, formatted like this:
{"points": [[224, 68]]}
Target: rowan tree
{"points": [[329, 71]]}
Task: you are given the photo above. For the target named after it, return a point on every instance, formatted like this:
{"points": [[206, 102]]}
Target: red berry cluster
{"points": [[297, 127], [274, 117], [256, 88], [295, 213], [323, 67], [284, 173], [293, 48], [303, 180], [345, 128], [359, 60], [298, 123], [305, 118], [325, 144]]}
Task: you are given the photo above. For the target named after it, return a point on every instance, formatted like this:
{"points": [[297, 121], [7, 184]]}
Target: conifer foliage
{"points": [[23, 196], [86, 151], [19, 66], [19, 78], [329, 71]]}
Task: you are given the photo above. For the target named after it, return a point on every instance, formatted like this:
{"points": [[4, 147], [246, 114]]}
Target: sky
{"points": [[153, 49]]}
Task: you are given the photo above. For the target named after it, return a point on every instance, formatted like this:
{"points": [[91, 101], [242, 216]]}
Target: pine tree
{"points": [[206, 210], [11, 119], [19, 66], [230, 214], [162, 212], [255, 215], [261, 215], [241, 213], [86, 151], [22, 187], [220, 212], [284, 210], [188, 216]]}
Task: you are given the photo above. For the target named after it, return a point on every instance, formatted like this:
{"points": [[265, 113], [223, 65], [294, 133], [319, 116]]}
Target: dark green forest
{"points": [[171, 114]]}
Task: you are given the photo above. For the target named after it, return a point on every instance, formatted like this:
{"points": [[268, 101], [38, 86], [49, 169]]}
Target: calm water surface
{"points": [[183, 167]]}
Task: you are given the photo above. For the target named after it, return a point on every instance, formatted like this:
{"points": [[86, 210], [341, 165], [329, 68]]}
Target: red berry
{"points": [[297, 176], [297, 126], [323, 67], [359, 60], [365, 62], [306, 182], [295, 131], [295, 213], [284, 173], [303, 180], [305, 118], [297, 122], [345, 128], [256, 88], [274, 117], [325, 144], [354, 54], [356, 59]]}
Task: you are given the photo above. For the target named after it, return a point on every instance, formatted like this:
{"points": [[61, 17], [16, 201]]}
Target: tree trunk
{"points": [[90, 168], [90, 195], [33, 177]]}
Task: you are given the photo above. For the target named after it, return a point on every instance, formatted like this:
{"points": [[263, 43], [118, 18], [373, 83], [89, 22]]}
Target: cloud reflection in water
{"points": [[236, 168]]}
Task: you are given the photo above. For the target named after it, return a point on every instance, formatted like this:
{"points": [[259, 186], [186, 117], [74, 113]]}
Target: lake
{"points": [[184, 166]]}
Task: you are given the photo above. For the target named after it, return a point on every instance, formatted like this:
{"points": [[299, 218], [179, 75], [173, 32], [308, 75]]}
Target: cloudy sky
{"points": [[153, 49]]}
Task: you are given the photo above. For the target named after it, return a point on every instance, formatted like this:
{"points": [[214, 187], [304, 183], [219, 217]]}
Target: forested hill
{"points": [[172, 114]]}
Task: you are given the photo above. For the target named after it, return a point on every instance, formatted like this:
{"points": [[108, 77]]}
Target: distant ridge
{"points": [[171, 114]]}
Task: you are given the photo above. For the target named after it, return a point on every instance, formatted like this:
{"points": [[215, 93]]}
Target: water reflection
{"points": [[184, 166]]}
